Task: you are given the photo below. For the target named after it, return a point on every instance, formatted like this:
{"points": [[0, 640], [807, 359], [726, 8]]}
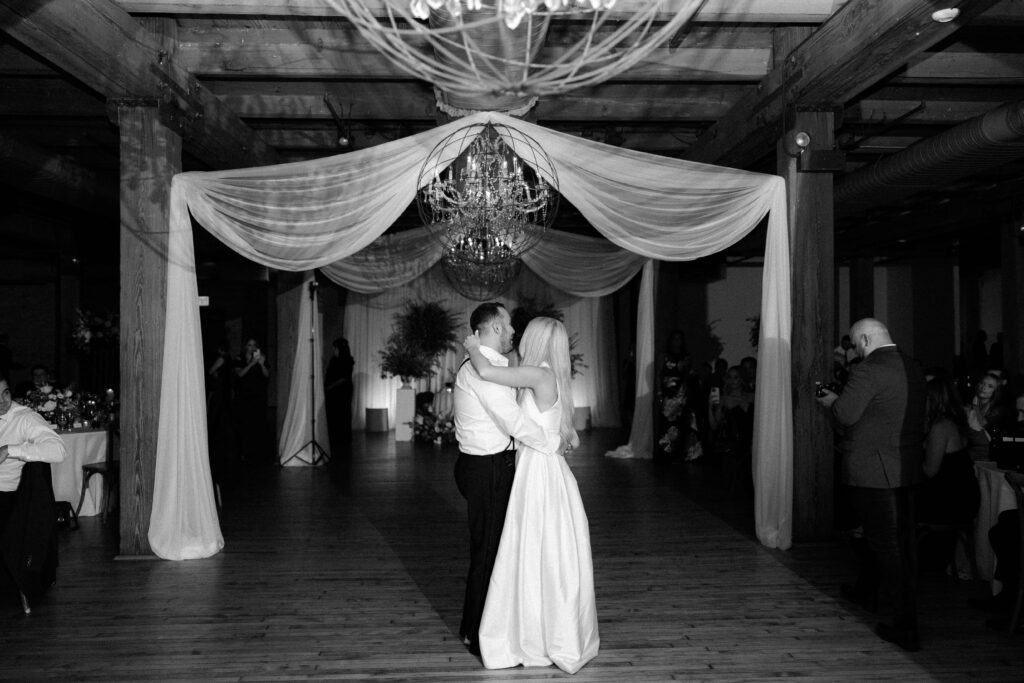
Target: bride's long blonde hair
{"points": [[546, 341]]}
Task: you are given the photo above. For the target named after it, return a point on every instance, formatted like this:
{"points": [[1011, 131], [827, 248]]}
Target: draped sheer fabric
{"points": [[313, 214], [295, 445]]}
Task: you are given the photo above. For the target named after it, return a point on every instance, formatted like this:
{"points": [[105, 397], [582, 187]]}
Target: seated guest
{"points": [[730, 415], [40, 379], [25, 438], [949, 494], [984, 415]]}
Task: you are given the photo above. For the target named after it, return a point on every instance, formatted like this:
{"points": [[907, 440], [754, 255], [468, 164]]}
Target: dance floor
{"points": [[362, 579]]}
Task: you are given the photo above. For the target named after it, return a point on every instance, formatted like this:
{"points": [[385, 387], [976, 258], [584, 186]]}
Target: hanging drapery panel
{"points": [[183, 524], [310, 214]]}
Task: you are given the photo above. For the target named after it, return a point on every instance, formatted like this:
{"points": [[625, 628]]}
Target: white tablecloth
{"points": [[996, 497], [83, 447]]}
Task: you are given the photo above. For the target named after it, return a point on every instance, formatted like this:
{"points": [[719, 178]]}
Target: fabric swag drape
{"points": [[325, 213]]}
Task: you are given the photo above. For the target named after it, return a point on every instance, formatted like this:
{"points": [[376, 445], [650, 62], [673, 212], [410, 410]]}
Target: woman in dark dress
{"points": [[338, 396], [949, 494], [220, 421], [250, 404]]}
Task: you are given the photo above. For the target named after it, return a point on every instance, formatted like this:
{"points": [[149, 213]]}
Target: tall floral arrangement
{"points": [[422, 331], [93, 329]]}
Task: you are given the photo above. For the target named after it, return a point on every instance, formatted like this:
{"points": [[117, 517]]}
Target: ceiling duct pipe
{"points": [[979, 144]]}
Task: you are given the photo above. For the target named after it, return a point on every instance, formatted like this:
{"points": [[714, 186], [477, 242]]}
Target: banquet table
{"points": [[996, 496], [83, 446]]}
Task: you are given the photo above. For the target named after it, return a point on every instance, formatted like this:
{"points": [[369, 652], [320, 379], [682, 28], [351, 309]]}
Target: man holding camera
{"points": [[880, 415]]}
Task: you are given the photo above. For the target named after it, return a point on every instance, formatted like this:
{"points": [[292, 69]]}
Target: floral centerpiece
{"points": [[70, 409], [431, 428]]}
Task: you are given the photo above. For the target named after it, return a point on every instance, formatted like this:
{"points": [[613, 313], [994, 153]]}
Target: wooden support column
{"points": [[150, 156], [1012, 239], [813, 271]]}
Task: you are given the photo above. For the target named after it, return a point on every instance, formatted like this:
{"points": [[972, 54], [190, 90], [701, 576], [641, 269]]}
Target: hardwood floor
{"points": [[363, 580]]}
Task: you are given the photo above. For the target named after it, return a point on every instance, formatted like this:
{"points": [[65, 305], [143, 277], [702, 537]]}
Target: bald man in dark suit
{"points": [[880, 415]]}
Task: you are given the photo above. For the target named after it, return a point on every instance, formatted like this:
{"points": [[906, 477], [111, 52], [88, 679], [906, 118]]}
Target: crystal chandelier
{"points": [[495, 50], [487, 192]]}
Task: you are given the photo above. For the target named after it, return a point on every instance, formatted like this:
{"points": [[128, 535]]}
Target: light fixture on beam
{"points": [[800, 145], [344, 124]]}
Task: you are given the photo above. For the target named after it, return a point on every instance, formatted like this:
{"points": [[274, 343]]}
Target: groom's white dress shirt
{"points": [[486, 414], [28, 439]]}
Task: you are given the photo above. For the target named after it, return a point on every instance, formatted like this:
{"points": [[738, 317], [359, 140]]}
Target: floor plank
{"points": [[363, 579]]}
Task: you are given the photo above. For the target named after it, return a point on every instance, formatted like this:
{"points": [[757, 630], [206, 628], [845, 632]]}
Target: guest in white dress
{"points": [[540, 607]]}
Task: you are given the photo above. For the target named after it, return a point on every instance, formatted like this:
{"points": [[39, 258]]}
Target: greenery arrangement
{"points": [[528, 309], [422, 331]]}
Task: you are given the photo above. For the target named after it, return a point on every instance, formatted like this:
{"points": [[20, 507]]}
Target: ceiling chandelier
{"points": [[470, 49], [487, 192]]}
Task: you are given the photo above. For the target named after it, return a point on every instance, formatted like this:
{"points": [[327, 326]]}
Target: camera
{"points": [[821, 387]]}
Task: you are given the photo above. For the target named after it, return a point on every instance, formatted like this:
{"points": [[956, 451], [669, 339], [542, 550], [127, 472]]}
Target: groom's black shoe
{"points": [[474, 648]]}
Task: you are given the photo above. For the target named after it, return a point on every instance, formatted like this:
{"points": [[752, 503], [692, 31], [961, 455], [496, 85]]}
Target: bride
{"points": [[540, 607]]}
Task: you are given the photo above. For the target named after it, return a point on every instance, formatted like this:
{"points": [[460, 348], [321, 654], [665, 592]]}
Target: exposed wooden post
{"points": [[1012, 238], [150, 156], [813, 269]]}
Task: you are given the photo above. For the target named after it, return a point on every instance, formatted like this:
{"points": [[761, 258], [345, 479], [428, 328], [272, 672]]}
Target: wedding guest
{"points": [[25, 437], [949, 494], [250, 403], [881, 418], [40, 379], [676, 427], [338, 396], [220, 378], [985, 415]]}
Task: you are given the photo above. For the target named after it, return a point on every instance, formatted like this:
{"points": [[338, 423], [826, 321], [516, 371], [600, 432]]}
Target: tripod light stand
{"points": [[320, 456]]}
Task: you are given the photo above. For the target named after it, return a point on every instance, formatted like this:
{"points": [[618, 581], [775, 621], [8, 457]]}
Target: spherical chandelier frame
{"points": [[487, 192], [465, 55], [478, 281]]}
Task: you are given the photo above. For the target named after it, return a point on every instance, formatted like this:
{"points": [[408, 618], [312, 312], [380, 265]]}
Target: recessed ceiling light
{"points": [[945, 15]]}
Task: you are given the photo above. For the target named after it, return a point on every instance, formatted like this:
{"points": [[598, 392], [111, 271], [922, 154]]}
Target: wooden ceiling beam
{"points": [[400, 101], [328, 53], [750, 11], [862, 43], [99, 44]]}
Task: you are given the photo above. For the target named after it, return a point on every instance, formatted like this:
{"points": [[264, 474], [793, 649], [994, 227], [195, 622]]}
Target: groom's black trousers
{"points": [[485, 481]]}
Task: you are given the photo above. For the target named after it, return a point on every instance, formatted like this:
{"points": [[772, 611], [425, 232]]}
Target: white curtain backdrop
{"points": [[312, 214], [294, 447], [369, 319]]}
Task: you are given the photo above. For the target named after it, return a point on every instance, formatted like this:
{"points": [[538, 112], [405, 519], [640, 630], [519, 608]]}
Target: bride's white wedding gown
{"points": [[540, 602]]}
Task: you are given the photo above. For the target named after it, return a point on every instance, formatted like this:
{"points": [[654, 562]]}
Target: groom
{"points": [[488, 423]]}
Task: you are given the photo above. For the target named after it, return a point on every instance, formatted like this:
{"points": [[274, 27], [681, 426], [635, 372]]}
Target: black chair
{"points": [[29, 541], [1016, 481], [110, 469]]}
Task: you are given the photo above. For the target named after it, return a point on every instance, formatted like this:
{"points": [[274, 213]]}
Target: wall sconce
{"points": [[345, 139], [798, 144]]}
